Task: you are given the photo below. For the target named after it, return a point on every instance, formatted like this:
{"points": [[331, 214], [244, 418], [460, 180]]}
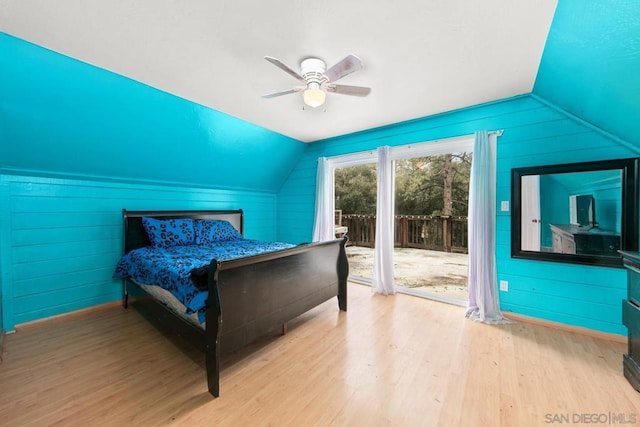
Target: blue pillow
{"points": [[213, 230], [169, 232]]}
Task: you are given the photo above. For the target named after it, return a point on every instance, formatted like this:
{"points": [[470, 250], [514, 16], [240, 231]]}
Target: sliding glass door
{"points": [[431, 189], [355, 215], [431, 203]]}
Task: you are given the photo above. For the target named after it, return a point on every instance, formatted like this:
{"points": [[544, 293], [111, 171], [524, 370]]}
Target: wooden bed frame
{"points": [[248, 297]]}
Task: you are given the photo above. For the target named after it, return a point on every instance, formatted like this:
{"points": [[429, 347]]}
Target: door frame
{"points": [[421, 149]]}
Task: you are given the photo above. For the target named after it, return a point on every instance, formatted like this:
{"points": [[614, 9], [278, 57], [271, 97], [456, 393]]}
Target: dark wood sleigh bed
{"points": [[248, 297]]}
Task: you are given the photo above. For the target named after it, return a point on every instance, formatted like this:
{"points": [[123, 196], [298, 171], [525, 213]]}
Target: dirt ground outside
{"points": [[431, 271]]}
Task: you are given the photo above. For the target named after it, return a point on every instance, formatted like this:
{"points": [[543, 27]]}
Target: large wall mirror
{"points": [[579, 212]]}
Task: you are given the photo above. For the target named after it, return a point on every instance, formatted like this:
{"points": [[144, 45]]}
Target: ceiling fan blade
{"points": [[347, 66], [285, 68], [284, 92], [349, 90]]}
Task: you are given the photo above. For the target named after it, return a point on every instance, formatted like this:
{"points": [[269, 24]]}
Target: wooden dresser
{"points": [[573, 239], [631, 318]]}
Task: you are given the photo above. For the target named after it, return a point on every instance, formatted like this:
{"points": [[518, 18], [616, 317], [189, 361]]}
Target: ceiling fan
{"points": [[317, 79]]}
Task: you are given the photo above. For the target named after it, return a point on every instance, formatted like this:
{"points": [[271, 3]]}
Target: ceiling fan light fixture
{"points": [[314, 96], [318, 80]]}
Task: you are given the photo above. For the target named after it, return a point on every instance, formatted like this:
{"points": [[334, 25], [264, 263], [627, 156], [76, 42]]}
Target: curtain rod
{"points": [[497, 132]]}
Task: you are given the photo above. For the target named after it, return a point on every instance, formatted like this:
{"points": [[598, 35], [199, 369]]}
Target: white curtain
{"points": [[383, 251], [483, 290], [324, 219]]}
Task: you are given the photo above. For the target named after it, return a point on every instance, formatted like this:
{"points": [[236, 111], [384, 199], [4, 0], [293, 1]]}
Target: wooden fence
{"points": [[439, 233]]}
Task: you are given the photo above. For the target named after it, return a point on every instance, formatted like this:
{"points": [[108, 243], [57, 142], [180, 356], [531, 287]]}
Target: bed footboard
{"points": [[254, 296], [248, 297]]}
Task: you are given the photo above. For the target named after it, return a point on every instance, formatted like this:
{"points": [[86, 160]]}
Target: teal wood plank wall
{"points": [[296, 199], [555, 206], [4, 251], [79, 143], [573, 294], [62, 116], [591, 61], [535, 133], [65, 236]]}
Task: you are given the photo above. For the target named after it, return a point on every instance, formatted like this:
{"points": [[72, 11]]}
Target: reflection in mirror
{"points": [[579, 213], [583, 212]]}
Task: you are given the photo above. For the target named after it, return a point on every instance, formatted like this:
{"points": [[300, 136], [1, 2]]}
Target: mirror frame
{"points": [[629, 210]]}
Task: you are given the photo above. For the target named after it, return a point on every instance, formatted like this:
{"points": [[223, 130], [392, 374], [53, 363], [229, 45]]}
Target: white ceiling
{"points": [[421, 57]]}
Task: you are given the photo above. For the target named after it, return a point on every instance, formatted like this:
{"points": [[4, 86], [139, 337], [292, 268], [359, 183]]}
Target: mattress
{"points": [[168, 300], [171, 268]]}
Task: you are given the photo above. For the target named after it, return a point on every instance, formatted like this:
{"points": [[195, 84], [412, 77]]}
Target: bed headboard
{"points": [[135, 236]]}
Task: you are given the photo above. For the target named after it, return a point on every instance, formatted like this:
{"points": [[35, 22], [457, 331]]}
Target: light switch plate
{"points": [[504, 206], [504, 286]]}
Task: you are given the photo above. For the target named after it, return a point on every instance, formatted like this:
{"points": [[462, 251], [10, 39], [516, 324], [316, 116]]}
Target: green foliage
{"points": [[356, 189], [418, 187]]}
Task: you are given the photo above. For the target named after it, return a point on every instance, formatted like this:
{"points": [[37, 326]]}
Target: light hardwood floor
{"points": [[396, 360]]}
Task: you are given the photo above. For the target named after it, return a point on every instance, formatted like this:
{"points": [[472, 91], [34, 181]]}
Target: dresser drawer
{"points": [[633, 282], [631, 319], [568, 246]]}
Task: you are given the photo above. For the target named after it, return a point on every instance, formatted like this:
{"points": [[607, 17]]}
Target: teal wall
{"points": [[4, 250], [71, 132], [608, 208], [535, 133], [59, 115], [573, 294], [63, 237], [296, 198], [591, 64], [1, 311], [588, 81], [78, 144], [554, 207], [555, 190]]}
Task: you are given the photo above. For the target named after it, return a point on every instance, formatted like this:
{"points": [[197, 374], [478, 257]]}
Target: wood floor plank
{"points": [[388, 361]]}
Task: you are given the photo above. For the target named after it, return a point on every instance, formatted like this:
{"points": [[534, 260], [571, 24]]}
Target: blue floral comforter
{"points": [[170, 268]]}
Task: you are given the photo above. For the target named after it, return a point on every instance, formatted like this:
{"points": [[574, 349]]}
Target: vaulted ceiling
{"points": [[421, 57]]}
